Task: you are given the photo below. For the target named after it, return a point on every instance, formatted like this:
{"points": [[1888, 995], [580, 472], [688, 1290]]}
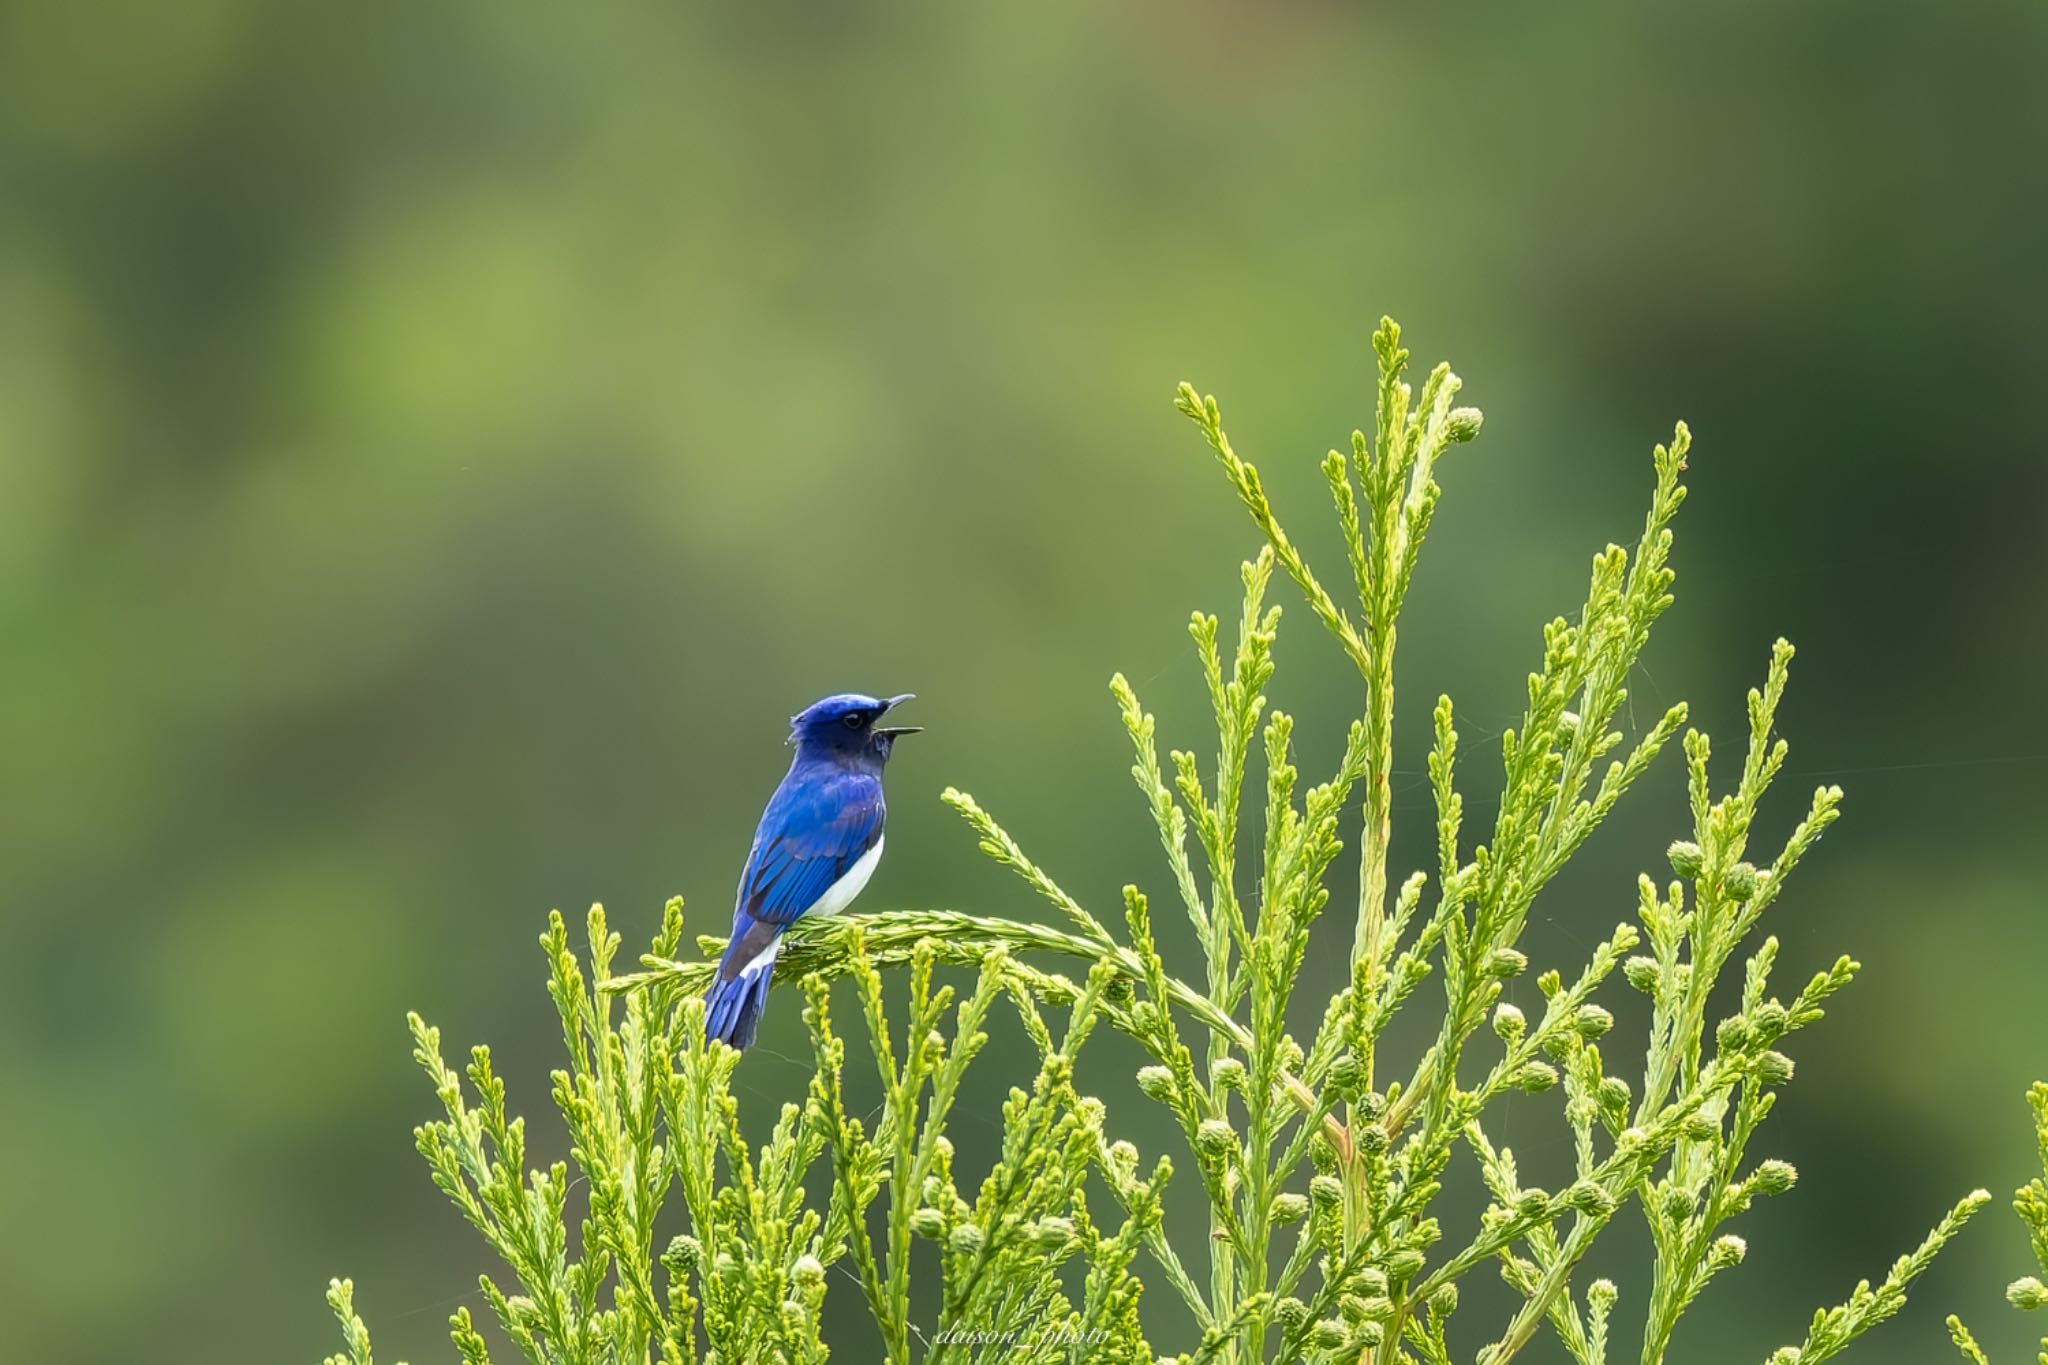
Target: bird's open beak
{"points": [[893, 730]]}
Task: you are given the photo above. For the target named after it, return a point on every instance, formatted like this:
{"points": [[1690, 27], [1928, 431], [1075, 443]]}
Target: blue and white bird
{"points": [[816, 847]]}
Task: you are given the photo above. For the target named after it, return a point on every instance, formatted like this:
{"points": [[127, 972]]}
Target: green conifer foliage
{"points": [[1321, 1159]]}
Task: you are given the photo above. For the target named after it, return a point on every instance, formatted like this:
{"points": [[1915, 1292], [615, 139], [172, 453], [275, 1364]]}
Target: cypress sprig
{"points": [[341, 1297], [1321, 1160], [2030, 1202], [1834, 1328]]}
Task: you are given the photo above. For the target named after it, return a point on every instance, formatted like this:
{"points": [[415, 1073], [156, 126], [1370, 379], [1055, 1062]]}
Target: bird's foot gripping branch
{"points": [[1321, 1159]]}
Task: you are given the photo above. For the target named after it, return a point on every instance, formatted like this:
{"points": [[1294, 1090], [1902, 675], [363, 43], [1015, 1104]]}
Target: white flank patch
{"points": [[763, 960], [840, 894]]}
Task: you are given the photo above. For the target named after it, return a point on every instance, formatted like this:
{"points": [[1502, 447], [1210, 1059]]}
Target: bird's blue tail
{"points": [[732, 1008]]}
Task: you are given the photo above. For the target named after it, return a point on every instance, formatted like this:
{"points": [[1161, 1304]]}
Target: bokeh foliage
{"points": [[438, 447]]}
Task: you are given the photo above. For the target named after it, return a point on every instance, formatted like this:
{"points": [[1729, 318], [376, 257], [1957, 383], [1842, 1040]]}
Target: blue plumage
{"points": [[817, 844]]}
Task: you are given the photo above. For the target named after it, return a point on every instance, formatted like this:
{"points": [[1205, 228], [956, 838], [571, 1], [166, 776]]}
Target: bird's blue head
{"points": [[847, 727]]}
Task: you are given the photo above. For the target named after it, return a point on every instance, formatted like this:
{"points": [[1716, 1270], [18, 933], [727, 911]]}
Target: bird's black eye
{"points": [[853, 720]]}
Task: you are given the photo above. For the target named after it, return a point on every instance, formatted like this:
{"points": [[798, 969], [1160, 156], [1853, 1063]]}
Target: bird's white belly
{"points": [[840, 894]]}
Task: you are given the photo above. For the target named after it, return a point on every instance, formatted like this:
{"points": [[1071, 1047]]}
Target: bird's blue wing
{"points": [[811, 833]]}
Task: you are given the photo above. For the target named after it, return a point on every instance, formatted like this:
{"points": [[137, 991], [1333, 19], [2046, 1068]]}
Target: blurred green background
{"points": [[439, 445]]}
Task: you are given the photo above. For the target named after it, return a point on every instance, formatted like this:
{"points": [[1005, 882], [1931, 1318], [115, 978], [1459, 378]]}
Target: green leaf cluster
{"points": [[2030, 1202], [651, 1115], [1321, 1158]]}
